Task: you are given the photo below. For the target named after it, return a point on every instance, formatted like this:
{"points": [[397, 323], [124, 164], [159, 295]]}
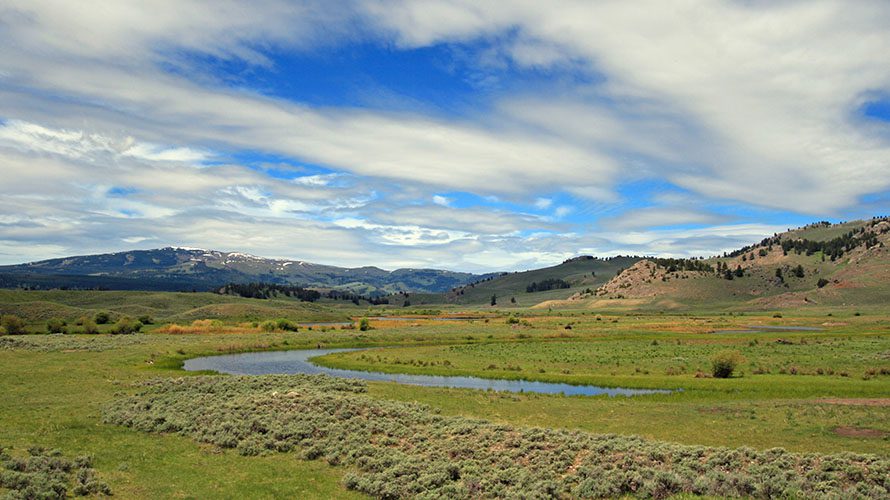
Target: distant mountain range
{"points": [[175, 269], [818, 264]]}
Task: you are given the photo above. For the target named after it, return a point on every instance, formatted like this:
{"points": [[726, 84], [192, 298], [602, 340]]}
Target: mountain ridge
{"points": [[177, 268], [846, 262]]}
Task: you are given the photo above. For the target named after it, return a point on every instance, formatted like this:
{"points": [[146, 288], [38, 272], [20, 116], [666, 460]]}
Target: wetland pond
{"points": [[292, 362]]}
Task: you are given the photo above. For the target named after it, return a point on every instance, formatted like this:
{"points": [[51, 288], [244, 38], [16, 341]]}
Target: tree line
{"points": [[547, 284], [269, 291], [674, 265], [262, 290]]}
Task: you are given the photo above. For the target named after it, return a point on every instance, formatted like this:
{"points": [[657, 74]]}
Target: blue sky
{"points": [[453, 134]]}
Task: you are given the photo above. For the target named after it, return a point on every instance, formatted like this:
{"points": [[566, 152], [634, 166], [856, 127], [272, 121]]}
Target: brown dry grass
{"points": [[205, 326], [855, 401]]}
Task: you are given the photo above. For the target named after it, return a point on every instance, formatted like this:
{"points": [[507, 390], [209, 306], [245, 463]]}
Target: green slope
{"points": [[581, 273], [38, 306]]}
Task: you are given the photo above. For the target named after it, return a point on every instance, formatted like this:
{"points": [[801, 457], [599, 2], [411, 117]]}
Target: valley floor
{"points": [[820, 391]]}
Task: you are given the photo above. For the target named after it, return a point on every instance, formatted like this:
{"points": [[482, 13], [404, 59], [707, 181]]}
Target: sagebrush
{"points": [[402, 450]]}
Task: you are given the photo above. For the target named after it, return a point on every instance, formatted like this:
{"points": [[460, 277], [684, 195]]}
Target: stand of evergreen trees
{"points": [[674, 265], [355, 298], [833, 248], [272, 290], [269, 290], [548, 284]]}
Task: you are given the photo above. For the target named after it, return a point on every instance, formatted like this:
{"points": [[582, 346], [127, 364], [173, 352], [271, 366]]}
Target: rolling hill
{"points": [[820, 264], [176, 269], [576, 275]]}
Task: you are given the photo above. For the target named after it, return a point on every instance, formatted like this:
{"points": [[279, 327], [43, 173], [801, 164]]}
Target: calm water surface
{"points": [[291, 362]]}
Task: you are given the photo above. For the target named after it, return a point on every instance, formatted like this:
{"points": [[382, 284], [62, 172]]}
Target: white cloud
{"points": [[562, 211], [652, 217], [748, 101], [316, 180], [476, 220], [405, 234], [136, 239], [543, 203], [754, 100], [718, 97], [79, 144]]}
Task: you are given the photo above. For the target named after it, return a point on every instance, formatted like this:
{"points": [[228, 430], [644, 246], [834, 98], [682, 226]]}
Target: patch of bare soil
{"points": [[855, 401], [858, 432]]}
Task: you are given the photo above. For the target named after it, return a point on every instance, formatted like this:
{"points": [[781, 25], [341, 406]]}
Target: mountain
{"points": [[174, 268]]}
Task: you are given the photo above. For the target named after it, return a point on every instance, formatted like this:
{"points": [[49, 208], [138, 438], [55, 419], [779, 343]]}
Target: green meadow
{"points": [[823, 391]]}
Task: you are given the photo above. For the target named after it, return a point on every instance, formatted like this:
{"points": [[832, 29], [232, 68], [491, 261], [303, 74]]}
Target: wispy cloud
{"points": [[124, 125]]}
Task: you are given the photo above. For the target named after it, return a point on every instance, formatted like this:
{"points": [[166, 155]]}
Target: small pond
{"points": [[291, 362]]}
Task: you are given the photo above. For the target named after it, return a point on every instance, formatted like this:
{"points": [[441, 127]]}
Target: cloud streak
{"points": [[747, 104]]}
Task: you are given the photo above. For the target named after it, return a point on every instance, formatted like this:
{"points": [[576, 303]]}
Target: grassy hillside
{"points": [[36, 307], [787, 271], [821, 264], [580, 273]]}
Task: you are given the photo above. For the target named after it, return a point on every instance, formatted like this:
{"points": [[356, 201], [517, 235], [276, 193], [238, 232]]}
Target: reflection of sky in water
{"points": [[290, 362]]}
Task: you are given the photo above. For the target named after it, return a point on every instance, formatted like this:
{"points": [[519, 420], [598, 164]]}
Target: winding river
{"points": [[291, 362]]}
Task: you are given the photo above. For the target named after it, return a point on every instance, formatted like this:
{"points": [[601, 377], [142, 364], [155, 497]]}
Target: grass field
{"points": [[36, 307], [53, 388]]}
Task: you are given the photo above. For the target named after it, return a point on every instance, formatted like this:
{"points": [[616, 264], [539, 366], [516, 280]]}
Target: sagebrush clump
{"points": [[126, 326], [724, 363], [280, 324], [56, 325], [12, 324], [47, 474], [401, 450]]}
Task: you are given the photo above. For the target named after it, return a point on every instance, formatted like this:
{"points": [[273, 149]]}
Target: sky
{"points": [[467, 135]]}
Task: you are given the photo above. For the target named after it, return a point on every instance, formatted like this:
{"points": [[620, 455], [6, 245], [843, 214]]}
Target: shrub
{"points": [[56, 325], [725, 362], [280, 324], [145, 319], [286, 325], [47, 474], [126, 326], [364, 325], [12, 324], [174, 329], [406, 450], [87, 325], [512, 320], [102, 318], [822, 282], [210, 325]]}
